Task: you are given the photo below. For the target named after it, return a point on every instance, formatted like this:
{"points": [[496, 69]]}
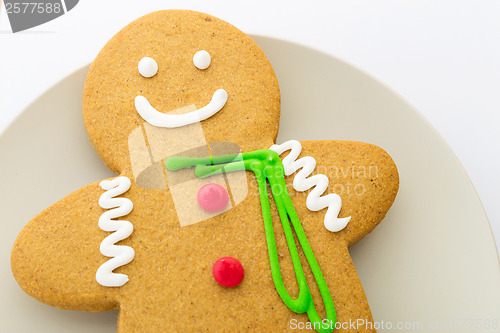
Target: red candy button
{"points": [[213, 197], [228, 272]]}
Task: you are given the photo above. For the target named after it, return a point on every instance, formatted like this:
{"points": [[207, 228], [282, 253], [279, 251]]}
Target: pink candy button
{"points": [[213, 197]]}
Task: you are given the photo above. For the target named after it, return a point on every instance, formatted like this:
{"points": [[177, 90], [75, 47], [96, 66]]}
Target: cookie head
{"points": [[174, 68]]}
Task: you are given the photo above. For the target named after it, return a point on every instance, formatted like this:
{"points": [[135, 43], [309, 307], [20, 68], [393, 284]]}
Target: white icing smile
{"points": [[148, 68], [156, 118]]}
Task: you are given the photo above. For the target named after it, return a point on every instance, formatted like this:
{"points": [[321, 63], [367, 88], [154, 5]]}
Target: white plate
{"points": [[432, 258]]}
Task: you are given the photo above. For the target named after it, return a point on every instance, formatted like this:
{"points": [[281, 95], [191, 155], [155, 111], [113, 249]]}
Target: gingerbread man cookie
{"points": [[210, 225]]}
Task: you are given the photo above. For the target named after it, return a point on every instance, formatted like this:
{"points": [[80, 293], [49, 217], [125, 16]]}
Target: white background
{"points": [[443, 56]]}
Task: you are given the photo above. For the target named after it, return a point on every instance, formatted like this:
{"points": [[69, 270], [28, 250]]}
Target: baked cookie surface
{"points": [[170, 284]]}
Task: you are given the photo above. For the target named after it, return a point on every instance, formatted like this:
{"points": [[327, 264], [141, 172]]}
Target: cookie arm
{"points": [[367, 181], [363, 175], [56, 255]]}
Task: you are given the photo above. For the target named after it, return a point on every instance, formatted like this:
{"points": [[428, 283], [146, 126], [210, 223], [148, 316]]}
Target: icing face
{"points": [[148, 68], [156, 118], [202, 59], [194, 63]]}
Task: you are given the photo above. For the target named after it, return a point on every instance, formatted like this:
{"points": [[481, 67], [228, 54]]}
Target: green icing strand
{"points": [[268, 167]]}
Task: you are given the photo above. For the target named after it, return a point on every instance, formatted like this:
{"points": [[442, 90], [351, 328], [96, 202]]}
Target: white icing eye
{"points": [[148, 67], [202, 59]]}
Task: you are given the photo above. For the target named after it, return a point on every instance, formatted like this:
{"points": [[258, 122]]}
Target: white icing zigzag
{"points": [[121, 254], [314, 201]]}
